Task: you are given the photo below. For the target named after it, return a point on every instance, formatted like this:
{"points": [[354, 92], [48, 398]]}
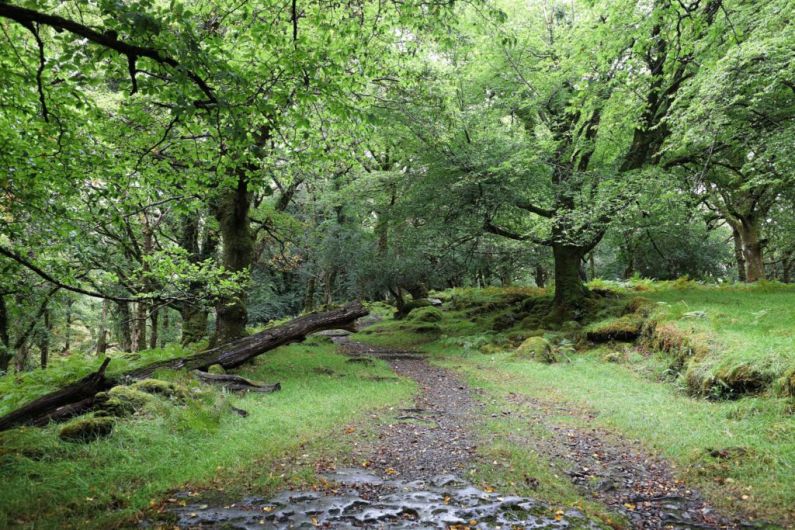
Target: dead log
{"points": [[68, 399], [49, 404], [235, 383]]}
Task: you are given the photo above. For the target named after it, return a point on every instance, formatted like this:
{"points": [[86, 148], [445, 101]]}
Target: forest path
{"points": [[411, 477]]}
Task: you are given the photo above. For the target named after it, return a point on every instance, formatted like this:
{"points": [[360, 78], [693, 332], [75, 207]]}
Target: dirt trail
{"points": [[413, 479], [415, 472]]}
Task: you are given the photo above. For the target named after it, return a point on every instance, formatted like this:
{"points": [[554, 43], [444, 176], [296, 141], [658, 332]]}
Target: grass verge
{"points": [[48, 483]]}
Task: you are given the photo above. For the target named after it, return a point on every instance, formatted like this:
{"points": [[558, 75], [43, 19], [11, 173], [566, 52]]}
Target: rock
{"points": [[216, 369], [86, 429], [122, 401], [435, 302], [625, 328], [536, 349], [163, 388]]}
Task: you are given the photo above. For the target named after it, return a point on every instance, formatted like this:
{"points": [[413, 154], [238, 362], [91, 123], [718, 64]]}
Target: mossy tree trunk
{"points": [[570, 291], [232, 213], [194, 324], [752, 249], [124, 326], [739, 255]]}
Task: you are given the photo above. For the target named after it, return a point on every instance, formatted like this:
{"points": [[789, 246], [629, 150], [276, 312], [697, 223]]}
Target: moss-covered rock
{"points": [[536, 349], [409, 307], [162, 388], [219, 370], [123, 400], [86, 429], [726, 382], [426, 314], [425, 328], [640, 305], [626, 328], [614, 357]]}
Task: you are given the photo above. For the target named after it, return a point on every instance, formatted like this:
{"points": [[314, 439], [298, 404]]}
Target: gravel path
{"points": [[413, 477]]}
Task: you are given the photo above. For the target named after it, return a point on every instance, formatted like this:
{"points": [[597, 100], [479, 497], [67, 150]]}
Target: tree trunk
{"points": [[124, 325], [67, 341], [5, 343], [238, 252], [309, 296], [165, 328], [228, 355], [153, 320], [44, 340], [328, 286], [139, 327], [570, 291], [540, 276], [21, 356], [739, 256], [752, 249], [194, 324], [102, 334]]}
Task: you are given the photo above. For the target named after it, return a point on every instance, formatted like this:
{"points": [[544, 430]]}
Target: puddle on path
{"points": [[359, 499]]}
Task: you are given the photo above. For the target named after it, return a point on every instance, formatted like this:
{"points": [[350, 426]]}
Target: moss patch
{"points": [[86, 429], [536, 349]]}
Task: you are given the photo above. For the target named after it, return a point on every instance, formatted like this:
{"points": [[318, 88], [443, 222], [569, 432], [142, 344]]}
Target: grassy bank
{"points": [[720, 385], [48, 483]]}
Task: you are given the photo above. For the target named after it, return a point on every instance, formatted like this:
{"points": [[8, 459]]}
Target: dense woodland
{"points": [[564, 205], [178, 171]]}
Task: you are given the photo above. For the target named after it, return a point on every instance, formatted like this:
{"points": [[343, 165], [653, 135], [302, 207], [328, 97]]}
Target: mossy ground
{"points": [[191, 439], [49, 483]]}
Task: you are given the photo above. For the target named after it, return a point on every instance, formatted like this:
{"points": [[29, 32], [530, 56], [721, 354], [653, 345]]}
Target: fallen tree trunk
{"points": [[235, 383], [229, 355]]}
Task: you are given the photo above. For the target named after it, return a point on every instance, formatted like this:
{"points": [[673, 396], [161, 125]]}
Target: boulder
{"points": [[426, 314], [164, 388], [122, 401], [536, 349], [86, 429]]}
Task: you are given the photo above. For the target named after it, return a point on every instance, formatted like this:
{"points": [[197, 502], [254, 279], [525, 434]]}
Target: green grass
{"points": [[680, 428], [635, 396], [48, 483]]}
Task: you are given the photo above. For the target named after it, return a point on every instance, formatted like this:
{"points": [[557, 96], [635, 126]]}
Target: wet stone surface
{"points": [[360, 499]]}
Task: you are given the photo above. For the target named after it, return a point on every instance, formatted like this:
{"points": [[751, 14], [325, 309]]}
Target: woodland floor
{"points": [[413, 473]]}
